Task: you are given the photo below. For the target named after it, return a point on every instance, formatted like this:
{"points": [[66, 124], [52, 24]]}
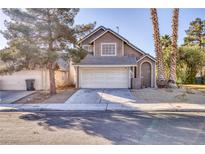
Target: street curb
{"points": [[88, 110]]}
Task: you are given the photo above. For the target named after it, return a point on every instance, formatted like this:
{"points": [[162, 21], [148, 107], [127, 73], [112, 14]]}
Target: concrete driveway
{"points": [[102, 96], [10, 96]]}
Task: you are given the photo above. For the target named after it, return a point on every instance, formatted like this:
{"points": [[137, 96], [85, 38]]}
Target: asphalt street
{"points": [[100, 127]]}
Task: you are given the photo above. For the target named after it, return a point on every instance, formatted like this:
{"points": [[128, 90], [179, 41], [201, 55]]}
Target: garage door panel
{"points": [[104, 78]]}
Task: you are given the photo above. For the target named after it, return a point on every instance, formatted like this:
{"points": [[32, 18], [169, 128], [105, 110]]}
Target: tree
{"points": [[77, 54], [166, 43], [158, 48], [37, 36], [190, 60], [175, 22], [196, 33]]}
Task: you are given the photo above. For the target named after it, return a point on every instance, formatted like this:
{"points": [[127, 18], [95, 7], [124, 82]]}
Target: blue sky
{"points": [[135, 24]]}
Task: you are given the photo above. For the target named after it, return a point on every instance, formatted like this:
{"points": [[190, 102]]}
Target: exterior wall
{"points": [[72, 74], [108, 38], [123, 49], [16, 81], [129, 51], [62, 78], [90, 38], [153, 80]]}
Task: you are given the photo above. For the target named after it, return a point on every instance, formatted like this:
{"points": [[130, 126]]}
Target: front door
{"points": [[146, 75]]}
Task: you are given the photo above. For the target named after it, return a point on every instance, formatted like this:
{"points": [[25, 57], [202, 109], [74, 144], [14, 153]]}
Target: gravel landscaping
{"points": [[149, 95]]}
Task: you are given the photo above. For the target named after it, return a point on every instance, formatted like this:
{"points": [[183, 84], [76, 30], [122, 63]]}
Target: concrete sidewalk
{"points": [[141, 107]]}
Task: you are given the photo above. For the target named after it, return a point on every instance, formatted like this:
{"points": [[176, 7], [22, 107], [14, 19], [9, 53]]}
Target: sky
{"points": [[134, 24]]}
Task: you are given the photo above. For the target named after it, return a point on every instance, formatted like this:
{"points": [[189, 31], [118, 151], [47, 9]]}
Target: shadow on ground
{"points": [[128, 127]]}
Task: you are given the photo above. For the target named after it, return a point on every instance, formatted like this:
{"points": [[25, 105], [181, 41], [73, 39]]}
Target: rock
{"points": [[190, 91], [172, 85]]}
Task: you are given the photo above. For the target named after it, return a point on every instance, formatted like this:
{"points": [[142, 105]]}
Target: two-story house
{"points": [[113, 62]]}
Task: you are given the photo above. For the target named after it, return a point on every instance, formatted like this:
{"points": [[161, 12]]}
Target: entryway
{"points": [[146, 75]]}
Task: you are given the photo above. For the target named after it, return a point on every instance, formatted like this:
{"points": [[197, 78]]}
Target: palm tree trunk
{"points": [[158, 48], [175, 22]]}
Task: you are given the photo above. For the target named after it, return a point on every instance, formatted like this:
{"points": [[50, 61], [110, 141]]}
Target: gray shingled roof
{"points": [[111, 60]]}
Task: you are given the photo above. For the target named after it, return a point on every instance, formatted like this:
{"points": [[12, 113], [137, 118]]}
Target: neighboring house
{"points": [[113, 62], [200, 76], [16, 81]]}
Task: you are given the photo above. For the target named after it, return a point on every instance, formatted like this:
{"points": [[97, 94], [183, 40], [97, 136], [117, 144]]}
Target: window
{"points": [[88, 48], [108, 49]]}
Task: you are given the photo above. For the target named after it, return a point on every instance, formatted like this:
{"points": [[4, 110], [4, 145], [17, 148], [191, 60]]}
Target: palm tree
{"points": [[166, 43], [175, 22], [158, 48]]}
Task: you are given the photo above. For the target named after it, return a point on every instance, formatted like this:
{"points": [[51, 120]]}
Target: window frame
{"points": [[109, 44]]}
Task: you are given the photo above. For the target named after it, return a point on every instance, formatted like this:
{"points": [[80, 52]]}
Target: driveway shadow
{"points": [[127, 127]]}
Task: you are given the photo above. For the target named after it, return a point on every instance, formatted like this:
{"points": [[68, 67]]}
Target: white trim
{"points": [[146, 56], [101, 27], [129, 77], [101, 44], [152, 73], [141, 58]]}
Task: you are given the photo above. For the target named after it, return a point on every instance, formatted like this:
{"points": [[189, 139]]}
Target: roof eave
{"points": [[83, 65], [94, 31]]}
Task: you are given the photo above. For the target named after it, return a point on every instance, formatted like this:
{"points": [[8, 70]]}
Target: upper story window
{"points": [[88, 48], [108, 49]]}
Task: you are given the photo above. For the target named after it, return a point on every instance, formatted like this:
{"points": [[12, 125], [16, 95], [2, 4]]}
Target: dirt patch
{"points": [[45, 97], [37, 97], [149, 95]]}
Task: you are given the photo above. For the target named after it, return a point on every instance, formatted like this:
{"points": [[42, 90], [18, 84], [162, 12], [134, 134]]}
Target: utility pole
{"points": [[118, 29]]}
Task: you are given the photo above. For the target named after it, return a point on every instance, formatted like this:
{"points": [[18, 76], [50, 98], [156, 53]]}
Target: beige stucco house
{"points": [[113, 62]]}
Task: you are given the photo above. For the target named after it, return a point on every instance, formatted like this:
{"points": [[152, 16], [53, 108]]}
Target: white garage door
{"points": [[104, 78]]}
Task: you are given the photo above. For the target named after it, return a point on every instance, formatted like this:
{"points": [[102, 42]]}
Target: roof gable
{"points": [[123, 39], [93, 32], [146, 55], [106, 30]]}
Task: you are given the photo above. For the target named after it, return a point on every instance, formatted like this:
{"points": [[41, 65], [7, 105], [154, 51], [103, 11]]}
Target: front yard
{"points": [[45, 97], [195, 86], [182, 95]]}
